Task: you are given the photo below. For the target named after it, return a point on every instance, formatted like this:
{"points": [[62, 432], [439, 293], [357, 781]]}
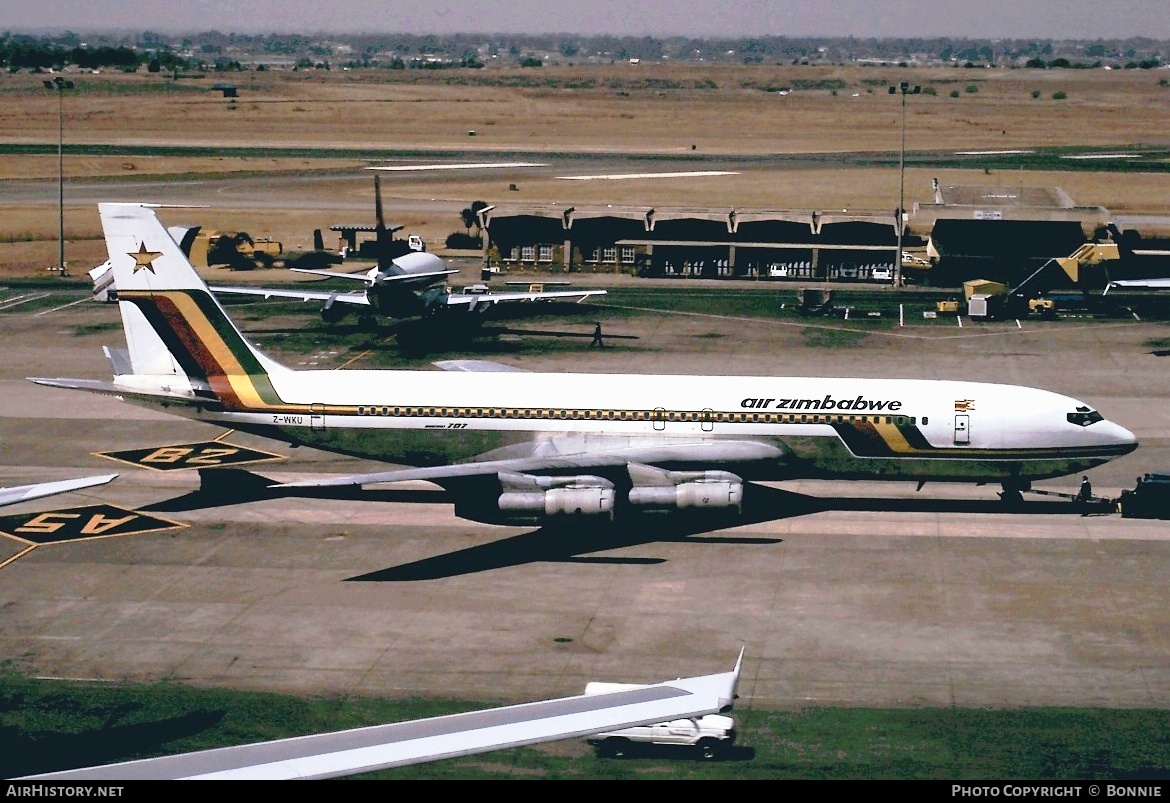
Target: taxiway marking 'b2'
{"points": [[206, 454]]}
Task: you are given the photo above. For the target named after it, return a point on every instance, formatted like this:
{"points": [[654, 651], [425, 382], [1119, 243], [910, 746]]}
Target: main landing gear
{"points": [[1012, 494]]}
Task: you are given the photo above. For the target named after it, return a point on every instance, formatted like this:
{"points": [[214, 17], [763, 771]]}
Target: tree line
{"points": [[26, 53], [407, 51]]}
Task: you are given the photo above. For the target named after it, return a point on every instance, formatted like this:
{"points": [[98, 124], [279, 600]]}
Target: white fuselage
{"points": [[888, 428]]}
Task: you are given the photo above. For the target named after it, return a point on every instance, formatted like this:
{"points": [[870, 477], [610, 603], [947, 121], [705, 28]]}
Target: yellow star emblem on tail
{"points": [[143, 258]]}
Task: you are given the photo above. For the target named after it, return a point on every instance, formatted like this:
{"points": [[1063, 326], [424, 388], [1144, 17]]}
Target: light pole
{"points": [[902, 89], [60, 84]]}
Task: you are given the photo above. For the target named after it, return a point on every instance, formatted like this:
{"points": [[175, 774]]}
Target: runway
{"points": [[850, 594]]}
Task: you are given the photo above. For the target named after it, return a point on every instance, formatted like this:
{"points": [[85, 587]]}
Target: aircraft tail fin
{"points": [[174, 325]]}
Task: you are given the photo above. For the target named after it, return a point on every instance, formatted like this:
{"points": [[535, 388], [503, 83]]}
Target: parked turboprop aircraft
{"points": [[332, 755], [518, 447], [402, 284], [406, 286]]}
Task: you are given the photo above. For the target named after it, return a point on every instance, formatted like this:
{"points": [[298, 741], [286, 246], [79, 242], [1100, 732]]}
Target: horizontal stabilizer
{"points": [[300, 295], [364, 276], [380, 278], [615, 456], [111, 389], [384, 278]]}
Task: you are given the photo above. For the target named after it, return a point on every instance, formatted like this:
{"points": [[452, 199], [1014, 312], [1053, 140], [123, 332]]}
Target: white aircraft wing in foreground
{"points": [[331, 755], [22, 493]]}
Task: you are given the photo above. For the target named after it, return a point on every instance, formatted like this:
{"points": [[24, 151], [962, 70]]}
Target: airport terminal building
{"points": [[1003, 230], [690, 242]]}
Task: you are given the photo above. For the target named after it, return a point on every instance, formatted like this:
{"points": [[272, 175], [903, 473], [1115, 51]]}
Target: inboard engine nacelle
{"points": [[689, 489], [582, 495]]}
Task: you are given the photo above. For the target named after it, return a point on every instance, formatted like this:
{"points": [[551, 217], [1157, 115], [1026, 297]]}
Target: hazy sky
{"points": [[1040, 19]]}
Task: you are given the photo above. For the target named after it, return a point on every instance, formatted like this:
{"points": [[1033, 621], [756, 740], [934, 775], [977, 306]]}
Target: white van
{"points": [[882, 273]]}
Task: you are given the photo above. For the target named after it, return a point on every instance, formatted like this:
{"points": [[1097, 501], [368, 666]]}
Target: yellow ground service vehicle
{"points": [[1044, 307]]}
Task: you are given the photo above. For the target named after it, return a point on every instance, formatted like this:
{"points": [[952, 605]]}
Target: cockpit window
{"points": [[1083, 417]]}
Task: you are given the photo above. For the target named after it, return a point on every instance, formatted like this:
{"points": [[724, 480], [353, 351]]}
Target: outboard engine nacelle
{"points": [[669, 490], [551, 497], [333, 312]]}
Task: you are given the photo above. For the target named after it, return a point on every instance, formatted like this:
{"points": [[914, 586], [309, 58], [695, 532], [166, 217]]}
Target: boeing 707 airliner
{"points": [[519, 447]]}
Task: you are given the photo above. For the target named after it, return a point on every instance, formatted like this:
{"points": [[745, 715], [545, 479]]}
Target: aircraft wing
{"points": [[1140, 284], [382, 279], [22, 493], [364, 276], [332, 755], [102, 387], [476, 299], [602, 453], [303, 295]]}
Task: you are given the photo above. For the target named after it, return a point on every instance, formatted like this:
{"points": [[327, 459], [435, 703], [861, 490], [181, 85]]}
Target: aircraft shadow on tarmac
{"points": [[571, 544], [578, 542], [410, 341], [441, 333], [221, 487]]}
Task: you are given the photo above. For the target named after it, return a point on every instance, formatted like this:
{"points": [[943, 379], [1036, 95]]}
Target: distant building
{"points": [[690, 242], [999, 233]]}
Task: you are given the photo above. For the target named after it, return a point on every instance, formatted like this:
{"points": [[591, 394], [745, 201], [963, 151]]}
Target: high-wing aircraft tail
{"points": [[179, 338]]}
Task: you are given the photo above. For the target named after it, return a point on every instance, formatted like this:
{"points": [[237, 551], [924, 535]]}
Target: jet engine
{"points": [[671, 490], [529, 496], [332, 312]]}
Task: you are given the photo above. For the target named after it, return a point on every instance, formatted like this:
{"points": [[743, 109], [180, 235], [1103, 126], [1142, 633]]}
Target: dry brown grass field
{"points": [[649, 110]]}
